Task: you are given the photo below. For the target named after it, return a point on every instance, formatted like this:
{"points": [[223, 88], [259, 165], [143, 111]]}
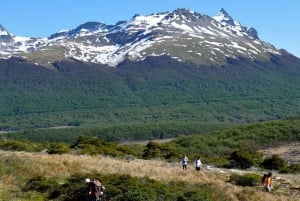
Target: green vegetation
{"points": [[94, 145], [293, 169], [115, 133], [16, 145], [155, 150], [232, 148], [219, 148], [152, 99], [274, 163], [123, 187], [58, 148], [250, 138], [247, 179], [242, 159]]}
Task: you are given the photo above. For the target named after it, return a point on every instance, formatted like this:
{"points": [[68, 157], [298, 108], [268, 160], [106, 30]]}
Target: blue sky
{"points": [[277, 21]]}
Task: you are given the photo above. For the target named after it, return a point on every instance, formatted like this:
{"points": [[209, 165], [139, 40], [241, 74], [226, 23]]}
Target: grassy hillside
{"points": [[58, 175], [37, 177], [154, 93]]}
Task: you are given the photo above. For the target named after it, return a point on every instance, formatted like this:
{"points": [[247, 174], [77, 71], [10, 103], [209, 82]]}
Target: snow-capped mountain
{"points": [[183, 34]]}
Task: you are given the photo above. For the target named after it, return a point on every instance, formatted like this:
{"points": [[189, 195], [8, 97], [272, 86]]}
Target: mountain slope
{"points": [[182, 34], [177, 68], [156, 90]]}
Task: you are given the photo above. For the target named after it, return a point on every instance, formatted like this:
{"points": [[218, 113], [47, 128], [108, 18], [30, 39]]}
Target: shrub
{"points": [[14, 145], [40, 184], [241, 159], [58, 149], [95, 145], [246, 179], [294, 169], [155, 150], [152, 150], [274, 163]]}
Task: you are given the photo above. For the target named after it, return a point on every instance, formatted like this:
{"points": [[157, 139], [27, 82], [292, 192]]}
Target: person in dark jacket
{"points": [[95, 189]]}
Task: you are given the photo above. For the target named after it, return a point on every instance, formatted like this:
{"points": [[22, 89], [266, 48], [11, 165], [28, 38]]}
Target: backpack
{"points": [[263, 178], [96, 188]]}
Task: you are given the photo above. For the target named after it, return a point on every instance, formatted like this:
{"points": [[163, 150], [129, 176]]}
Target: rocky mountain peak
{"points": [[184, 14], [2, 28], [225, 18], [5, 36], [182, 34], [90, 26], [252, 32]]}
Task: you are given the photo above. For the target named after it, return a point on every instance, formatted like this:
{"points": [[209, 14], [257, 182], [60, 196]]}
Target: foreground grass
{"points": [[17, 167]]}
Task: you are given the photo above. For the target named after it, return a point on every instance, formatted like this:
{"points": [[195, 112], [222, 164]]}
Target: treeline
{"points": [[83, 145], [235, 147], [247, 137], [118, 133]]}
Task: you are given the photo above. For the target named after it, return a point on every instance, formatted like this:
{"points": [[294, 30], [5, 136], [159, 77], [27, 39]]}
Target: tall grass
{"points": [[16, 167]]}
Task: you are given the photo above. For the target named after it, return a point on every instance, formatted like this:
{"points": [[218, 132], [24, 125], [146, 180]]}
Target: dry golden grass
{"points": [[62, 166]]}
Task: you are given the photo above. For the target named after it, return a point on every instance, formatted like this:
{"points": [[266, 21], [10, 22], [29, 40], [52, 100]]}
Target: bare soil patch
{"points": [[289, 152]]}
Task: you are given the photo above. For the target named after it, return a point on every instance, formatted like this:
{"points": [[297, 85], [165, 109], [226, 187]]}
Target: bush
{"points": [[14, 145], [274, 163], [293, 169], [241, 159], [40, 184], [152, 150], [58, 149], [246, 179], [155, 150], [95, 145]]}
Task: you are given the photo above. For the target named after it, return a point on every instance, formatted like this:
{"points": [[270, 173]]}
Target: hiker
{"points": [[198, 164], [184, 162], [95, 189], [267, 182]]}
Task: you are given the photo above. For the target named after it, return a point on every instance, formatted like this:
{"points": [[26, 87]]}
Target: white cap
{"points": [[87, 180]]}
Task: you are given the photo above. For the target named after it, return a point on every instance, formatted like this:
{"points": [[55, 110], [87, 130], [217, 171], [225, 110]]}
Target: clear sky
{"points": [[277, 21]]}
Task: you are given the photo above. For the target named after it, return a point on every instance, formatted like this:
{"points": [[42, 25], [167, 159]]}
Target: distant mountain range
{"points": [[179, 68], [183, 34]]}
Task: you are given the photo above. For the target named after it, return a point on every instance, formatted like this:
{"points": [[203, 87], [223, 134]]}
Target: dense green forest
{"points": [[160, 93]]}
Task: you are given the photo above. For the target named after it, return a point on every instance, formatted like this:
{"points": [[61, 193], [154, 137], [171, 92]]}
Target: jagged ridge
{"points": [[182, 34]]}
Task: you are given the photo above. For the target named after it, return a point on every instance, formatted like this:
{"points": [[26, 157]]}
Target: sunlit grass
{"points": [[18, 166]]}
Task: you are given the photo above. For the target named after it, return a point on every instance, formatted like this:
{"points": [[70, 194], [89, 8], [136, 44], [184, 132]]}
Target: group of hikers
{"points": [[266, 179], [197, 163], [96, 188]]}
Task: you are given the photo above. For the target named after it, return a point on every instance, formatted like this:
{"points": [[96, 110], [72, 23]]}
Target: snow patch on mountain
{"points": [[176, 34]]}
